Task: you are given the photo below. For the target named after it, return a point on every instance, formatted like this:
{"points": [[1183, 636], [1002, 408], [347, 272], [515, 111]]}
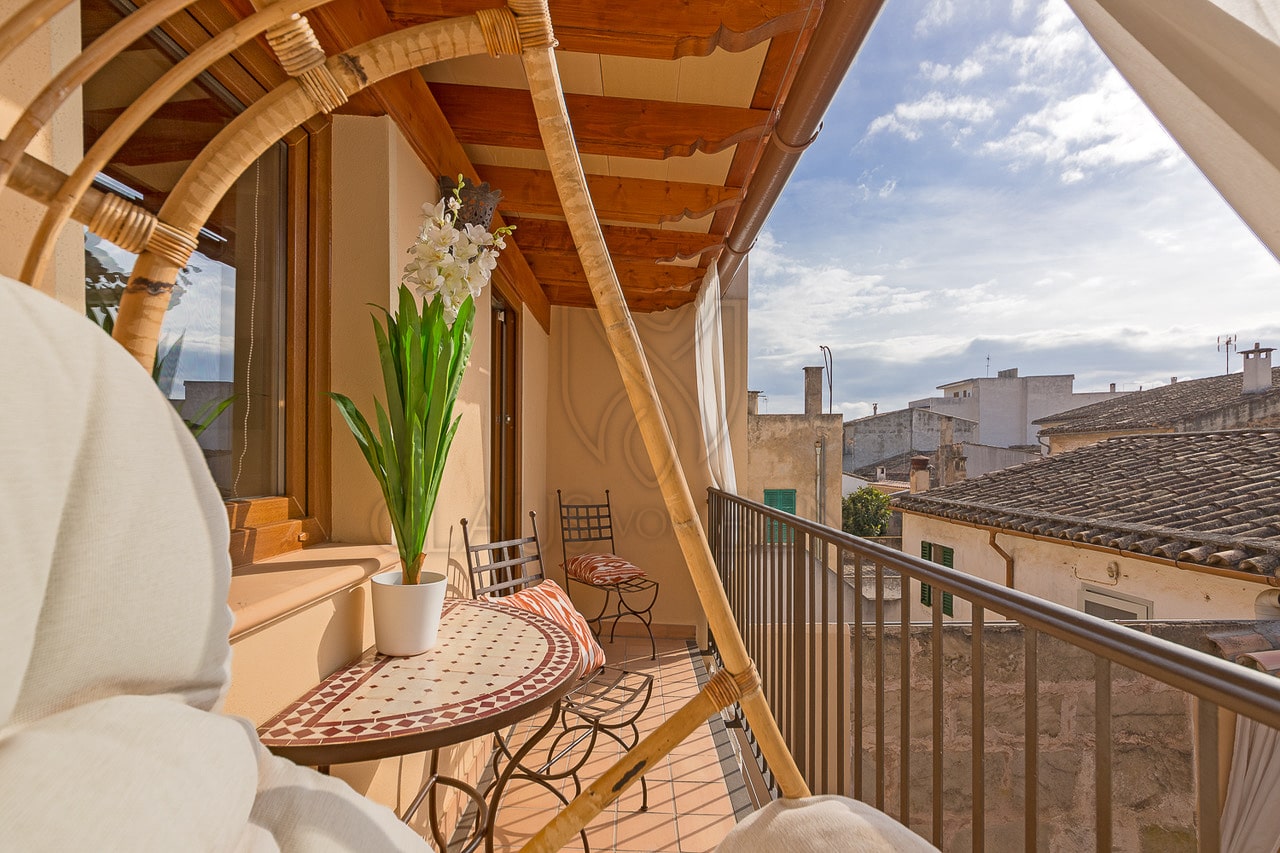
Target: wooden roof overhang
{"points": [[670, 102]]}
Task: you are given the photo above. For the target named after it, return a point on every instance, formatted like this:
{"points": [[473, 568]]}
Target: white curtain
{"points": [[1251, 818], [1210, 72], [709, 354]]}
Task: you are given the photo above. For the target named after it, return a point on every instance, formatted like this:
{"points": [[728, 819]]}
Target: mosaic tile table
{"points": [[492, 666]]}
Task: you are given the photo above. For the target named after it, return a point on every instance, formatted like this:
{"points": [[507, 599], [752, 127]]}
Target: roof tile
{"points": [[1210, 498]]}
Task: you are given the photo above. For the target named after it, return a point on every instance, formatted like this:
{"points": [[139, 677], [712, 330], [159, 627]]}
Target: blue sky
{"points": [[986, 184]]}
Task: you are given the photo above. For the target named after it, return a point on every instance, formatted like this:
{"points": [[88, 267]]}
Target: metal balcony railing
{"points": [[894, 712]]}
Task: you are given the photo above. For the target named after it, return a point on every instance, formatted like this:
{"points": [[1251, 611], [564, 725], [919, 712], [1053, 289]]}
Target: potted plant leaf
{"points": [[423, 354]]}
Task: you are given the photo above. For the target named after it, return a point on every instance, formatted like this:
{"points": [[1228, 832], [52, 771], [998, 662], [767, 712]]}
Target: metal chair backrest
{"points": [[585, 523], [501, 568]]}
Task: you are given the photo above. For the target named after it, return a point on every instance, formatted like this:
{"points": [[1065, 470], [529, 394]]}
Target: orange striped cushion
{"points": [[549, 600], [602, 569]]}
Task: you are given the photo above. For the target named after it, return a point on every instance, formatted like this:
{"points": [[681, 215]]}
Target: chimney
{"points": [[919, 474], [881, 474], [1113, 387], [753, 402], [875, 408], [813, 390], [1257, 369], [1173, 380]]}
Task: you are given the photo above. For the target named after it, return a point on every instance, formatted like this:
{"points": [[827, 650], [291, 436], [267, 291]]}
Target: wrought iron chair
{"points": [[605, 572], [605, 702]]}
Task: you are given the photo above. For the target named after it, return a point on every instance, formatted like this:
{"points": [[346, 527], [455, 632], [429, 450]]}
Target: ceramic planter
{"points": [[406, 618]]}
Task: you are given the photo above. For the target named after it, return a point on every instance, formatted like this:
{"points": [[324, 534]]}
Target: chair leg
{"points": [[643, 614]]}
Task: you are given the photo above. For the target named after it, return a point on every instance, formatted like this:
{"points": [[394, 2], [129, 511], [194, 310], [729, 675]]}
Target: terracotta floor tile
{"points": [[696, 768], [689, 806], [701, 798], [701, 833], [643, 831]]}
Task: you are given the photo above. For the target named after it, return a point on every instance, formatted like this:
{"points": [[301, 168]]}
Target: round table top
{"points": [[491, 666]]}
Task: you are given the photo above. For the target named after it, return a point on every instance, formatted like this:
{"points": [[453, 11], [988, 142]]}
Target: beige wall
{"points": [[1058, 572], [375, 172], [780, 455], [1063, 442], [60, 143], [593, 442]]}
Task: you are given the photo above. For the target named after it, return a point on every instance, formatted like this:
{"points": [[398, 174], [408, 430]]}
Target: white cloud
{"points": [[936, 15], [908, 119], [1104, 127], [967, 70]]}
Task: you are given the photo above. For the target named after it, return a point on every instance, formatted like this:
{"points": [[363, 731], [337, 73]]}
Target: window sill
{"points": [[266, 591]]}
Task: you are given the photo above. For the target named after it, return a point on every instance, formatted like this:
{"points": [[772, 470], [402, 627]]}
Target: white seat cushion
{"points": [[822, 823]]}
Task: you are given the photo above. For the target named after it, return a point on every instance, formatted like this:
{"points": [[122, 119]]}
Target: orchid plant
{"points": [[423, 356], [450, 259]]}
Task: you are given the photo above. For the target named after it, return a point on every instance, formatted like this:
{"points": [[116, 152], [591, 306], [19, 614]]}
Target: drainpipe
{"points": [[1008, 559], [841, 30], [820, 479]]}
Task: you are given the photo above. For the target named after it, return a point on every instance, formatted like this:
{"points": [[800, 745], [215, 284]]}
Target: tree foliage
{"points": [[865, 512]]}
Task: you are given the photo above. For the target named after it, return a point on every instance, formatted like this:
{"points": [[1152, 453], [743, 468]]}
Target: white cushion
{"points": [[822, 823], [113, 623]]}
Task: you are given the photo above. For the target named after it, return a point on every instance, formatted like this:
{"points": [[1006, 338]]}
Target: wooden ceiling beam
{"points": [[565, 267], [622, 199], [657, 29], [618, 127], [650, 244], [568, 296], [410, 104]]}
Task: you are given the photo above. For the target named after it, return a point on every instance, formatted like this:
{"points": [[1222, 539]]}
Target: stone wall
{"points": [[1153, 761]]}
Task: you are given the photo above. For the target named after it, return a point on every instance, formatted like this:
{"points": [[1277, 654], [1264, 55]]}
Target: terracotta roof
{"points": [[1210, 498], [1156, 407]]}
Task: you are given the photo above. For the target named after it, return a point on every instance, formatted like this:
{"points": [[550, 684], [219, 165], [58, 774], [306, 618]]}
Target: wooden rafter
{"points": [[565, 267], [620, 199], [618, 127], [648, 243], [657, 29], [408, 101], [579, 296]]}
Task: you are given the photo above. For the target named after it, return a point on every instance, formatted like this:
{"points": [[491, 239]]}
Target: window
{"points": [[1107, 604], [945, 556], [785, 500], [238, 313]]}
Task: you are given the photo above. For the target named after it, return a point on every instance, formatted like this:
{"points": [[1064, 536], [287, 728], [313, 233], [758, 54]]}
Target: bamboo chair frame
{"points": [[164, 243]]}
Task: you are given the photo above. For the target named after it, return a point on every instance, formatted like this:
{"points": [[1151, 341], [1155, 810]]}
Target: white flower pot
{"points": [[406, 619]]}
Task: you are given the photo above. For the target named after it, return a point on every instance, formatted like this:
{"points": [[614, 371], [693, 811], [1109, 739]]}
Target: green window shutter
{"points": [[926, 594], [948, 558], [926, 551], [948, 605], [785, 500]]}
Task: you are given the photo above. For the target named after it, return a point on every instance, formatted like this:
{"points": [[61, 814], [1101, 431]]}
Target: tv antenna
{"points": [[1225, 344], [988, 365]]}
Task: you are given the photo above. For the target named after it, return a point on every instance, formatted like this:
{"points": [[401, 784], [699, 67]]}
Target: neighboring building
{"points": [[880, 439], [1007, 405], [1230, 401], [1165, 526], [793, 461]]}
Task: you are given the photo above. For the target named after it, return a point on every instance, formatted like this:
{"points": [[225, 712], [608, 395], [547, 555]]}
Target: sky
{"points": [[987, 186]]}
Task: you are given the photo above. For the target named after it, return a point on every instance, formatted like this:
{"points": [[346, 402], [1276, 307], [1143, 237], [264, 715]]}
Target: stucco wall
{"points": [[780, 455], [1153, 760], [594, 443], [982, 459], [870, 440], [1062, 442], [1058, 572], [61, 143]]}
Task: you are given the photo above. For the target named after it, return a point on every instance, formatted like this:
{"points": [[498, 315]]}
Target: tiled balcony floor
{"points": [[696, 794]]}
